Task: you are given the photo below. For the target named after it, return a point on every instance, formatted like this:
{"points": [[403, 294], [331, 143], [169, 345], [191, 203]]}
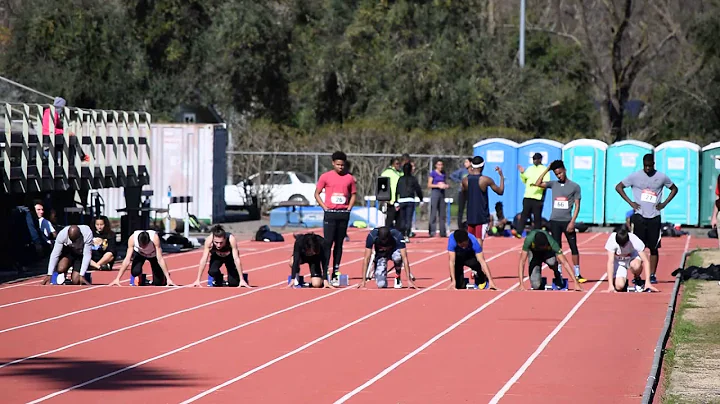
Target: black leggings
{"points": [[557, 229], [216, 262], [335, 224], [534, 207], [137, 268], [470, 261]]}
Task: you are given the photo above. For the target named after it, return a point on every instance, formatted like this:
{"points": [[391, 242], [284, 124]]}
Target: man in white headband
{"points": [[475, 186]]}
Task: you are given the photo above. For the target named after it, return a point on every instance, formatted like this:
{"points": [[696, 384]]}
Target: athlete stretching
{"points": [[222, 249], [565, 194], [475, 186]]}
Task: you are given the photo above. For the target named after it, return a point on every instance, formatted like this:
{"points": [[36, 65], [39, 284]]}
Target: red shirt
{"points": [[338, 189]]}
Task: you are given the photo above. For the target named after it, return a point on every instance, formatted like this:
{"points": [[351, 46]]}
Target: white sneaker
{"points": [[398, 283]]}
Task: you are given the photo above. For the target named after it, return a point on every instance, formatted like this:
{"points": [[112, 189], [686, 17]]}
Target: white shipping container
{"points": [[181, 158]]}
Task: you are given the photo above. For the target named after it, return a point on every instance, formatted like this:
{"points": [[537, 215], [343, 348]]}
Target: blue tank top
{"points": [[477, 202]]}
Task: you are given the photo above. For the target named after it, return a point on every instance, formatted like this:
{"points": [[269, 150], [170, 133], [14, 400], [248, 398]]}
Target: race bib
{"points": [[338, 199], [561, 203], [648, 196]]}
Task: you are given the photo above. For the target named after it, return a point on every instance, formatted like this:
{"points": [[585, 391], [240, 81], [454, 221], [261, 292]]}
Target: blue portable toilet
{"points": [[680, 160], [550, 150], [502, 153], [623, 158], [585, 164]]}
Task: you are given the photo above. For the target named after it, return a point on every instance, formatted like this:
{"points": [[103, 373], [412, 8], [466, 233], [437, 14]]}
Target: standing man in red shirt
{"points": [[340, 189]]}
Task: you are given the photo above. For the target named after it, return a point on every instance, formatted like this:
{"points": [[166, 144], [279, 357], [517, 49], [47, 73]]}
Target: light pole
{"points": [[522, 33]]}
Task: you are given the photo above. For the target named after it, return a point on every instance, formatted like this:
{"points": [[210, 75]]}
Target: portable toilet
{"points": [[550, 150], [680, 160], [623, 158], [585, 164], [502, 153], [710, 166]]}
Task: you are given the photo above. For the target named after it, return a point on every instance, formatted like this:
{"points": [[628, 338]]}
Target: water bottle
{"points": [[169, 193]]}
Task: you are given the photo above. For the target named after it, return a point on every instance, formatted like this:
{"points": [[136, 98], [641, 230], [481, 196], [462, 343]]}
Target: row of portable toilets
{"points": [[598, 168]]}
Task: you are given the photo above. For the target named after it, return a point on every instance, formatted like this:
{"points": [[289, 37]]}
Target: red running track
{"points": [[271, 343]]}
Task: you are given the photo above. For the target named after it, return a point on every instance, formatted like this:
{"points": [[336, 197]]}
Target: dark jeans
{"points": [[407, 210]]}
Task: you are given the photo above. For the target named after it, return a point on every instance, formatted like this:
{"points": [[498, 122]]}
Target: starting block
{"points": [[61, 279], [299, 283], [639, 288], [343, 280], [211, 280], [143, 281], [552, 286], [468, 285]]}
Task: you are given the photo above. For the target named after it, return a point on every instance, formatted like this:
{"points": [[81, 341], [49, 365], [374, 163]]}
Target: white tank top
{"points": [[149, 250]]}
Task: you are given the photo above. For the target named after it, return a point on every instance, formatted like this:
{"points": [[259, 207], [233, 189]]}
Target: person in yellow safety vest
{"points": [[393, 173], [534, 195]]}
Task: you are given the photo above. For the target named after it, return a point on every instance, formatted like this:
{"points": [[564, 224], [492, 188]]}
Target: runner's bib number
{"points": [[338, 199], [648, 196], [561, 203]]}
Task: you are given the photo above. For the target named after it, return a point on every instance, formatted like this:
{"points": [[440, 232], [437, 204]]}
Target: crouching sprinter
{"points": [[464, 250], [543, 249], [222, 249], [309, 249], [388, 245]]}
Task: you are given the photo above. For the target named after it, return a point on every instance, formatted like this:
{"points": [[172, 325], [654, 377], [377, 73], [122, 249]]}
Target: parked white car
{"points": [[273, 187]]}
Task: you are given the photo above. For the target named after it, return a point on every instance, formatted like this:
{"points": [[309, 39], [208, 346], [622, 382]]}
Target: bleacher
{"points": [[47, 167]]}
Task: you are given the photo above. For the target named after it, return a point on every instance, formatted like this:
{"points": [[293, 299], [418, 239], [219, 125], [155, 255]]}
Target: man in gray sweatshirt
{"points": [[73, 248]]}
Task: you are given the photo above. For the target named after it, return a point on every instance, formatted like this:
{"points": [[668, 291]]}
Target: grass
{"points": [[688, 335]]}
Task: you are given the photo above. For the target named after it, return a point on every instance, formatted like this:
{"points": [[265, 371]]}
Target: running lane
{"points": [[480, 351], [365, 349], [130, 313], [187, 368], [607, 347]]}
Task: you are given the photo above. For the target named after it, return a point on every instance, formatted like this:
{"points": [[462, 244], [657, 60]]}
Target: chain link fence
{"points": [[282, 176]]}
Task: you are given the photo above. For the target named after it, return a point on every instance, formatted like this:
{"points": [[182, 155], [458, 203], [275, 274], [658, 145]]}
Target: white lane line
{"points": [[49, 296], [545, 342], [243, 325], [72, 313], [431, 341], [328, 335], [142, 323]]}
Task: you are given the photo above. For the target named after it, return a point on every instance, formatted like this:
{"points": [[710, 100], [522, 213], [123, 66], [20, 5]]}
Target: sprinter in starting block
{"points": [[222, 249], [73, 248], [626, 251], [309, 249], [145, 246], [388, 245], [543, 249], [464, 250]]}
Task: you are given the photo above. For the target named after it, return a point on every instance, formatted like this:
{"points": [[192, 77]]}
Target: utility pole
{"points": [[522, 33]]}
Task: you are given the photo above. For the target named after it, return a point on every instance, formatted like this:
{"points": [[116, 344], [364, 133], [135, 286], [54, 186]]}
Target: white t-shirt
{"points": [[630, 250]]}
